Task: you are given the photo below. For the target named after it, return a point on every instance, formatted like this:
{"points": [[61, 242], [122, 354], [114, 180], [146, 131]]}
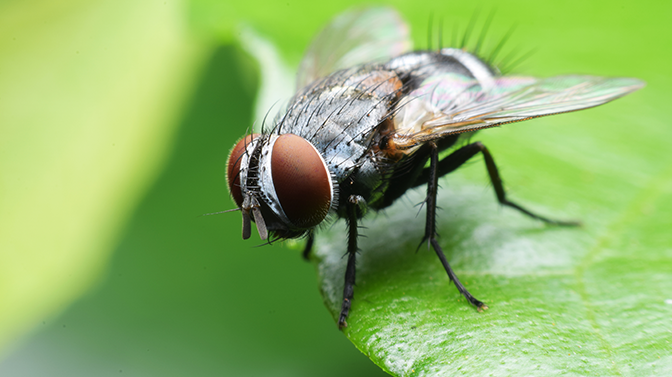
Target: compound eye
{"points": [[233, 167], [301, 180]]}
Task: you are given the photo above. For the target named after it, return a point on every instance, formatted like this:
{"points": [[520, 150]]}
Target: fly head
{"points": [[281, 183]]}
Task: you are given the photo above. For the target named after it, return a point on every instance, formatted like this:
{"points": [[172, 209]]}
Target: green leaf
{"points": [[583, 300]]}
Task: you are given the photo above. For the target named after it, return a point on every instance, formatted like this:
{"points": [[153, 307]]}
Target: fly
{"points": [[367, 119]]}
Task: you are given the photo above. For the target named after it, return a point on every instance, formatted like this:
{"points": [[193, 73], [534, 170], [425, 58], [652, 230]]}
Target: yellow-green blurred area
{"points": [[116, 118]]}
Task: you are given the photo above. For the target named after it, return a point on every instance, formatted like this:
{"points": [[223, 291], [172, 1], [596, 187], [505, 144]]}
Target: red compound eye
{"points": [[301, 181], [233, 167]]}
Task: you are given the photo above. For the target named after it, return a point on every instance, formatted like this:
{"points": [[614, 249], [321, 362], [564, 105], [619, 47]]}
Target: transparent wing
{"points": [[451, 103], [352, 38]]}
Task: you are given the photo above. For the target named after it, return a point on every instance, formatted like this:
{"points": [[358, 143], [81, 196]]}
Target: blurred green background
{"points": [[116, 118]]}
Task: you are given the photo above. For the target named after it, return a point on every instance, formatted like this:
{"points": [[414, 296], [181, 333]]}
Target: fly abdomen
{"points": [[414, 67]]}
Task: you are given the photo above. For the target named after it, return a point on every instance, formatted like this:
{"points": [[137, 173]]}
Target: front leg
{"points": [[430, 227], [307, 250], [354, 203]]}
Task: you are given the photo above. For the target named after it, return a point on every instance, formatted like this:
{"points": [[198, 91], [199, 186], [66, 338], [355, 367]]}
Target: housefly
{"points": [[368, 123]]}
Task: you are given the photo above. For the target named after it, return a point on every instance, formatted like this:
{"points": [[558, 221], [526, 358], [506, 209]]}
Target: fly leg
{"points": [[354, 202], [309, 246], [462, 155], [430, 227]]}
